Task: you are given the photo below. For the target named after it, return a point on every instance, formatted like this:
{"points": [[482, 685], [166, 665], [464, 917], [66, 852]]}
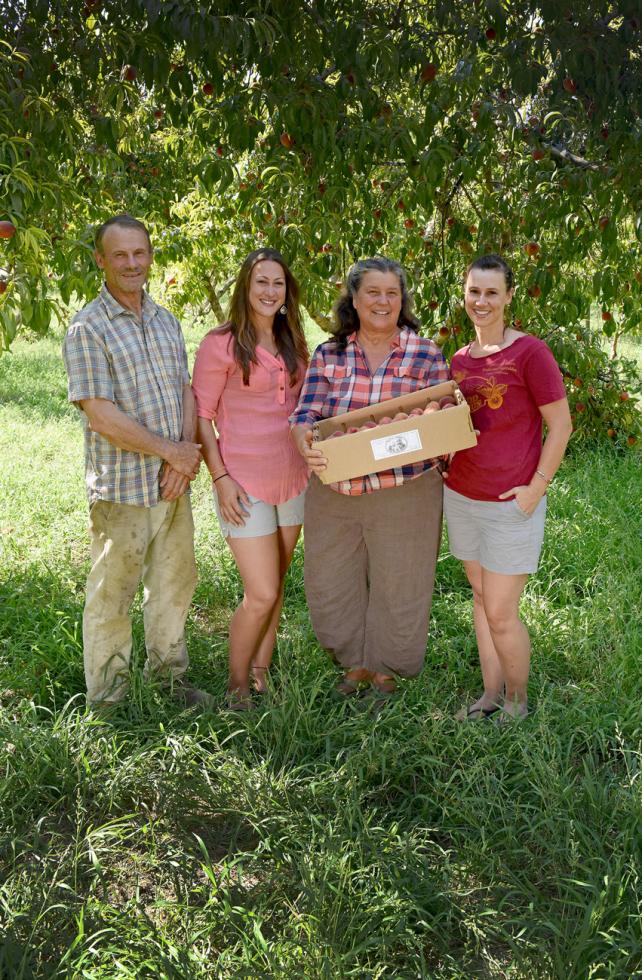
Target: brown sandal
{"points": [[386, 687], [235, 701], [347, 688], [258, 690]]}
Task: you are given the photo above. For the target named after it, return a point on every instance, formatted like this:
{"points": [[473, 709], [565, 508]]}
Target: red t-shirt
{"points": [[504, 391]]}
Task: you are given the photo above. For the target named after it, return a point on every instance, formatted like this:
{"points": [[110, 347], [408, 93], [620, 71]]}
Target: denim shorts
{"points": [[263, 518], [497, 534]]}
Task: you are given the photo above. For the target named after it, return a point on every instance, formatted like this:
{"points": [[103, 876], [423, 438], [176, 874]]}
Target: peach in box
{"points": [[395, 443]]}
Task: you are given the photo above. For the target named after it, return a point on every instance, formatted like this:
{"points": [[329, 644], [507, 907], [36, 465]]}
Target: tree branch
{"points": [[565, 156]]}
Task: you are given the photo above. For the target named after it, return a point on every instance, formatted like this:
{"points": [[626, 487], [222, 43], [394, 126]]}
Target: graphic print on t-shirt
{"points": [[504, 391], [480, 390]]}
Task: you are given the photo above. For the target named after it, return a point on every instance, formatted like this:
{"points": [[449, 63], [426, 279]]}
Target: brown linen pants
{"points": [[369, 572], [130, 544]]}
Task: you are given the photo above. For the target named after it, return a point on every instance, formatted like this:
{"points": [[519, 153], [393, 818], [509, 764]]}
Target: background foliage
{"points": [[431, 131]]}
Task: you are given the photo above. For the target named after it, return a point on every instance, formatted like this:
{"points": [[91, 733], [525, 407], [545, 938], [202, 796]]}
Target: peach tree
{"points": [[430, 131]]}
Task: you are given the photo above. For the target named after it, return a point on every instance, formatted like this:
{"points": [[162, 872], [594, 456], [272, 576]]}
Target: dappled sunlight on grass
{"points": [[313, 838]]}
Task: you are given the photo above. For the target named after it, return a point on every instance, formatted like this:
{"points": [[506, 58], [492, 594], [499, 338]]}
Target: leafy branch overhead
{"points": [[331, 130]]}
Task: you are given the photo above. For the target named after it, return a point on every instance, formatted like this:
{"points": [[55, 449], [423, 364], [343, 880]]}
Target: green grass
{"points": [[312, 840]]}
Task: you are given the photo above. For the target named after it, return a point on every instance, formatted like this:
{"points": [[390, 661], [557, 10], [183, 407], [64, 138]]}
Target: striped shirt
{"points": [[141, 366], [340, 381]]}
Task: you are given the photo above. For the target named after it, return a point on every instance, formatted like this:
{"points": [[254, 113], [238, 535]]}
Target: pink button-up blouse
{"points": [[251, 420]]}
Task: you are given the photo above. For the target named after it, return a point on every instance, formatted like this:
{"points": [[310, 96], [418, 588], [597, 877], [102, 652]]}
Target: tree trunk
{"points": [[214, 301], [325, 322]]}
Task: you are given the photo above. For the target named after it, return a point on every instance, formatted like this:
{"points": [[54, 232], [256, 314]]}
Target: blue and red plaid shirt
{"points": [[340, 381]]}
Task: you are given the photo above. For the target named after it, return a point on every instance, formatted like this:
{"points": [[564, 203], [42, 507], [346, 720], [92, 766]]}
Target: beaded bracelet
{"points": [[544, 478]]}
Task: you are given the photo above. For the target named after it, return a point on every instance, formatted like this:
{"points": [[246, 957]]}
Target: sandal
{"points": [[506, 718], [475, 713], [235, 701], [385, 688], [258, 690], [347, 688]]}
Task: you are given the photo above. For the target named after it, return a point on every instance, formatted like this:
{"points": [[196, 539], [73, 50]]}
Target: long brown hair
{"points": [[287, 328]]}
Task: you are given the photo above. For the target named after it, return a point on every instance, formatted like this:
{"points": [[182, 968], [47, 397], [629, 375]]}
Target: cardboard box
{"points": [[395, 443]]}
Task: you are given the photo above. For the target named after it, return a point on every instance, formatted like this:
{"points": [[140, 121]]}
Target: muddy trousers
{"points": [[369, 572], [131, 544]]}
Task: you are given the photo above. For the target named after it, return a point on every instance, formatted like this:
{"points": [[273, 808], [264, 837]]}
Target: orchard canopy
{"points": [[430, 131]]}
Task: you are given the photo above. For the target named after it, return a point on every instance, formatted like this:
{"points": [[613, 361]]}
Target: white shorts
{"points": [[263, 518], [497, 534]]}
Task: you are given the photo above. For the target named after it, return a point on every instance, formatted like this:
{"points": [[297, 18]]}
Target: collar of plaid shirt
{"points": [[113, 308]]}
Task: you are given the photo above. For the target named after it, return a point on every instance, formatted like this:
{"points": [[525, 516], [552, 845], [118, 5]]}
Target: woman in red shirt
{"points": [[495, 495], [247, 378]]}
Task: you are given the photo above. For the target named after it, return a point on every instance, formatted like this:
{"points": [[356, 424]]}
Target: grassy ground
{"points": [[312, 840]]}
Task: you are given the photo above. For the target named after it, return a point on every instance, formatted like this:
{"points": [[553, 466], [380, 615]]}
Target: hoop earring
{"points": [[283, 309]]}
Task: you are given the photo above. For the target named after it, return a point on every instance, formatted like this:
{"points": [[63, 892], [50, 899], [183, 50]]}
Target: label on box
{"points": [[397, 445]]}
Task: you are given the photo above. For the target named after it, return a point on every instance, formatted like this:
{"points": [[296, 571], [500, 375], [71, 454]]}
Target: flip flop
{"points": [[475, 713], [505, 718]]}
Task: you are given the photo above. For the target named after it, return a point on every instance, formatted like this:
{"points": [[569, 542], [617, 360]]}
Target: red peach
{"points": [[428, 72], [447, 400], [431, 407], [400, 417], [386, 420]]}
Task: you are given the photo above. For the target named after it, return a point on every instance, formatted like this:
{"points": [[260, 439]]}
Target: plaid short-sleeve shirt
{"points": [[340, 381], [141, 366]]}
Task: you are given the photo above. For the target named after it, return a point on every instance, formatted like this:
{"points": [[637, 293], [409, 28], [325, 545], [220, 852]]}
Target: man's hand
{"points": [[185, 458], [173, 485]]}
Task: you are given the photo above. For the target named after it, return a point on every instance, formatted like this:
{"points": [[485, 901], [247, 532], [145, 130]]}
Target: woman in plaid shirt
{"points": [[371, 543]]}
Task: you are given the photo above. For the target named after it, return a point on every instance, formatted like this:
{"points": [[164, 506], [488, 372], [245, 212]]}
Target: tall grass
{"points": [[313, 839]]}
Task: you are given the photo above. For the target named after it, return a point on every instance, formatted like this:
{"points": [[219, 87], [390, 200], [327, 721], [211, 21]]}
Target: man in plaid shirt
{"points": [[127, 371]]}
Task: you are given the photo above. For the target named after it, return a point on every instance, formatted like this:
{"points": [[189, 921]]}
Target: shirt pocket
{"points": [[339, 378], [408, 379], [124, 379]]}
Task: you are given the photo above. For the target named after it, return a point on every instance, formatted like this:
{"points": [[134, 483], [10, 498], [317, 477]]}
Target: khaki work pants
{"points": [[370, 570], [131, 544]]}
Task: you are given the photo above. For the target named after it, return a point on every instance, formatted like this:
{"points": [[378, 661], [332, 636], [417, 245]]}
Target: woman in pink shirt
{"points": [[247, 378]]}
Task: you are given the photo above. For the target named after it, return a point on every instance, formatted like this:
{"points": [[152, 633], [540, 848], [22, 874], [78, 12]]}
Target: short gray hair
{"points": [[121, 221]]}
